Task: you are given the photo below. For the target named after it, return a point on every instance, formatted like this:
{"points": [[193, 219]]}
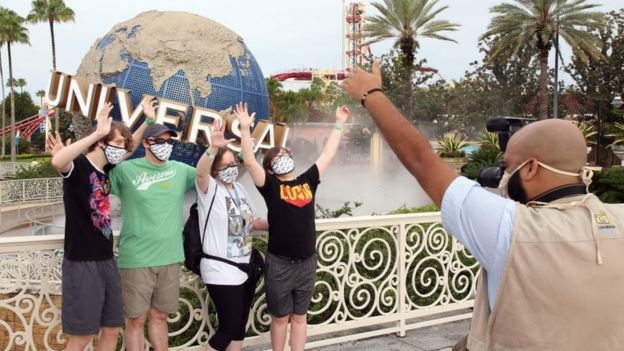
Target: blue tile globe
{"points": [[182, 57]]}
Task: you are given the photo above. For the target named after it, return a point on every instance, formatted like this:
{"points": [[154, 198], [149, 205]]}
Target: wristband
{"points": [[207, 153], [338, 127], [149, 122], [363, 99]]}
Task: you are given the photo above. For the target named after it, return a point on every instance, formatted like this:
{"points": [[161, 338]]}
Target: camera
{"points": [[505, 127]]}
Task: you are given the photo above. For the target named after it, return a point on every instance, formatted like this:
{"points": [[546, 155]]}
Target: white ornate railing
{"points": [[376, 275], [27, 190], [8, 169]]}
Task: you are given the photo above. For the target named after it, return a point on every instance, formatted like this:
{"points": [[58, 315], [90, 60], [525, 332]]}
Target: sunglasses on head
{"points": [[160, 141]]}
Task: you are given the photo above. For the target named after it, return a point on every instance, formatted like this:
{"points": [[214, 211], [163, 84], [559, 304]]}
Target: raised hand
{"points": [[242, 113], [359, 81], [217, 135], [104, 120], [55, 143], [149, 104], [342, 113]]}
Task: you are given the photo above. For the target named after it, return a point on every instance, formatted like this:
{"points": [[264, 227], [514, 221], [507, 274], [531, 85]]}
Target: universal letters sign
{"points": [[79, 96]]}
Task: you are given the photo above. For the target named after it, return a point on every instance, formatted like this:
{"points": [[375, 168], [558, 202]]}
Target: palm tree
{"points": [[40, 94], [21, 83], [405, 22], [12, 31], [533, 25], [51, 11], [274, 88]]}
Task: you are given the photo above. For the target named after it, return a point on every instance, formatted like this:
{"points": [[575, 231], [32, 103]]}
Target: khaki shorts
{"points": [[150, 287]]}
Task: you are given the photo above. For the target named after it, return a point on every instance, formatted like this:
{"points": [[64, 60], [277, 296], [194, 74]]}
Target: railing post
{"points": [[401, 254]]}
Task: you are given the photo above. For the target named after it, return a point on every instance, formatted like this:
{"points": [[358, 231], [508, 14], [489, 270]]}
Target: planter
{"points": [[455, 162], [618, 150]]}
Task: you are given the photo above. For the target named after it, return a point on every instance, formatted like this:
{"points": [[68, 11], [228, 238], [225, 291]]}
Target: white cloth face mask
{"points": [[114, 154], [161, 151], [228, 175], [283, 165]]}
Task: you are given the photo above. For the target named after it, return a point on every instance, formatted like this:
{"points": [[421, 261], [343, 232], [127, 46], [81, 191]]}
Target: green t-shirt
{"points": [[152, 198]]}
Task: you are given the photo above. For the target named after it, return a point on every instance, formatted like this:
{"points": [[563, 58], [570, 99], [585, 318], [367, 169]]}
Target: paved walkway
{"points": [[435, 338]]}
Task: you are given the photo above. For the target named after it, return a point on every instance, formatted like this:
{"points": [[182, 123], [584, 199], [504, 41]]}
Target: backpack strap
{"points": [[208, 216], [221, 259], [211, 257]]}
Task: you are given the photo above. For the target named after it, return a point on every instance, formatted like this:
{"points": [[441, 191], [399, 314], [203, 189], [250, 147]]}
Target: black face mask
{"points": [[515, 190]]}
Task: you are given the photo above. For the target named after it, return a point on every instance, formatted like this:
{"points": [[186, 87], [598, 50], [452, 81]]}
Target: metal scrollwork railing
{"points": [[394, 273], [27, 190]]}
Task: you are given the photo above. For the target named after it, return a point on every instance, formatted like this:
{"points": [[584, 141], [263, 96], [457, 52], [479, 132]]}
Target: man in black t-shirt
{"points": [[291, 260], [91, 286]]}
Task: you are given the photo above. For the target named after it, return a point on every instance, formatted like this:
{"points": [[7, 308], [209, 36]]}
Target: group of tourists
{"points": [[102, 293], [552, 269]]}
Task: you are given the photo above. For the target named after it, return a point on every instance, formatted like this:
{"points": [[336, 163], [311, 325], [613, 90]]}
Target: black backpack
{"points": [[193, 241]]}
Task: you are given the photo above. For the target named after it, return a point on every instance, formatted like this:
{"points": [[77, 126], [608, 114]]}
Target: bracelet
{"points": [[207, 153], [149, 122], [363, 99], [338, 127]]}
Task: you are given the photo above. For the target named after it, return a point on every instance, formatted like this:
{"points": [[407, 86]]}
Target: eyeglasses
{"points": [[160, 141], [232, 164]]}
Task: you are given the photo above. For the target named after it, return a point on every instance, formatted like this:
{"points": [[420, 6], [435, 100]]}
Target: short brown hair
{"points": [[270, 155], [123, 130], [218, 157]]}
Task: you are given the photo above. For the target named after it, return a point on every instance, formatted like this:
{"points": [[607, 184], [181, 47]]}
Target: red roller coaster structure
{"points": [[354, 51], [27, 126]]}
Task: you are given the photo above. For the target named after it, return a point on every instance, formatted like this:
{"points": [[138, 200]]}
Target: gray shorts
{"points": [[91, 296], [289, 284]]}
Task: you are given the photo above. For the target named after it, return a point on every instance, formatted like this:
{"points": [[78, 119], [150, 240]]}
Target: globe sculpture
{"points": [[182, 57]]}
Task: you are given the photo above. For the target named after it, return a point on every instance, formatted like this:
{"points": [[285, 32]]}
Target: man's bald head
{"points": [[555, 142]]}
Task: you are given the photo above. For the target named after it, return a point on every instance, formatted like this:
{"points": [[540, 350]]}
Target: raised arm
{"points": [[217, 140], [408, 143], [329, 151], [253, 167], [149, 104], [63, 156]]}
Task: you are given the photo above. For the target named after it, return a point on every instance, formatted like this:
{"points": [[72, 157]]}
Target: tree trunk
{"points": [[407, 47], [56, 114], [53, 44], [542, 89], [3, 108], [12, 103]]}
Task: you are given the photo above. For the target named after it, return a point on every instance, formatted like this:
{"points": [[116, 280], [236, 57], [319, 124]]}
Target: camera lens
{"points": [[490, 177]]}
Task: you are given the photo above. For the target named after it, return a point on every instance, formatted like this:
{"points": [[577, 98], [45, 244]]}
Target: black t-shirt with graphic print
{"points": [[290, 205], [88, 232]]}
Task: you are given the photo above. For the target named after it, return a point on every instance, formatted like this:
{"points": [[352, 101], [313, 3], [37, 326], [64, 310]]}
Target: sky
{"points": [[282, 34]]}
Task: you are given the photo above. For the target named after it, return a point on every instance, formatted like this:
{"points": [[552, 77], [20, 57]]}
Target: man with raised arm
{"points": [[291, 257], [552, 275], [151, 190], [90, 280]]}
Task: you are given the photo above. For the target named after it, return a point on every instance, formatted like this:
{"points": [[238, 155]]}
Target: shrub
{"points": [[608, 185], [38, 169], [484, 157]]}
